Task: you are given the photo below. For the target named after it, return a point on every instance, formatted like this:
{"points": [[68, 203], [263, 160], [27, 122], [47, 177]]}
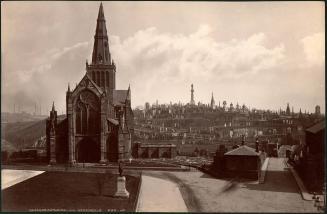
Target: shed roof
{"points": [[317, 127], [243, 151]]}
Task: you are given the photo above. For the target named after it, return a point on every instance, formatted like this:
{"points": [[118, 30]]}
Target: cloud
{"points": [[172, 59], [161, 65], [46, 80], [314, 49]]}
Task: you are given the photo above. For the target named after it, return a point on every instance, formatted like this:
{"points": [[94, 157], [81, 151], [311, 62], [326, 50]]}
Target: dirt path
{"points": [[11, 177], [159, 195]]}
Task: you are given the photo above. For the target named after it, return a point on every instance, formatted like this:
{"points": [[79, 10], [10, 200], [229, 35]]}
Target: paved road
{"points": [[10, 177], [279, 193], [159, 195]]}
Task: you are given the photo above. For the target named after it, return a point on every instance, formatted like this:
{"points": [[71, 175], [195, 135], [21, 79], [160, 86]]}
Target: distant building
{"points": [[141, 150], [317, 110], [147, 106], [288, 111]]}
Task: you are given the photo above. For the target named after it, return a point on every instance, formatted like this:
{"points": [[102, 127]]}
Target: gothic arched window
{"points": [[87, 113]]}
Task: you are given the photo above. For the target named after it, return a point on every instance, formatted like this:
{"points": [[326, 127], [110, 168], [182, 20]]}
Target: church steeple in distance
{"points": [[212, 103], [101, 54]]}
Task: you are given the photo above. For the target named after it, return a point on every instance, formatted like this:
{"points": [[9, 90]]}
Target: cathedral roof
{"points": [[95, 85], [120, 96], [87, 80]]}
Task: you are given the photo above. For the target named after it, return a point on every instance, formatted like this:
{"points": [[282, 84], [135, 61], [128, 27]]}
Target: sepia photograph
{"points": [[154, 106]]}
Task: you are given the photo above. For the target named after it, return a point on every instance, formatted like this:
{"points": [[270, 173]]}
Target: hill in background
{"points": [[19, 135], [7, 117]]}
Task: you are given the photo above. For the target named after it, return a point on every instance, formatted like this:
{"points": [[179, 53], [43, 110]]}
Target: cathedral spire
{"points": [[53, 106], [101, 13], [101, 54]]}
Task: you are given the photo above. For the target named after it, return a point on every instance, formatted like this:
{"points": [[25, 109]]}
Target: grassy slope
{"points": [[69, 191], [22, 134]]}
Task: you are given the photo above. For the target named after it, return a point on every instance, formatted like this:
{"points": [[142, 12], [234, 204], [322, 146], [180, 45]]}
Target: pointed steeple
{"points": [[128, 97], [212, 100], [68, 87], [101, 54], [53, 106], [101, 13]]}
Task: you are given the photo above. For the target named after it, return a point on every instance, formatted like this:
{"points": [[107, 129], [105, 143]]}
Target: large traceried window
{"points": [[87, 114]]}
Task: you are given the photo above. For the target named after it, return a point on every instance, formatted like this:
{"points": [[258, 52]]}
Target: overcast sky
{"points": [[262, 54]]}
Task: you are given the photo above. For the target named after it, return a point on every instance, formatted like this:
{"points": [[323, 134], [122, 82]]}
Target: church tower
{"points": [[99, 119], [288, 111]]}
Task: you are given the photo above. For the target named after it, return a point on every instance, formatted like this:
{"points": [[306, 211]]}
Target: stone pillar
{"points": [[121, 188], [52, 148], [103, 139], [71, 139], [129, 146]]}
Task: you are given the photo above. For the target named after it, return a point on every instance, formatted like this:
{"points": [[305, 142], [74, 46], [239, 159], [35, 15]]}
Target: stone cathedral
{"points": [[98, 123]]}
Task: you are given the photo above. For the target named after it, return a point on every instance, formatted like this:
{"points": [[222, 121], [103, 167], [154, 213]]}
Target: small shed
{"points": [[313, 168], [315, 138], [242, 162]]}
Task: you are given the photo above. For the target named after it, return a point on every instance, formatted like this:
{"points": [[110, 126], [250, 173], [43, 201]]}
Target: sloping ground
{"points": [[7, 146], [7, 117], [23, 134]]}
